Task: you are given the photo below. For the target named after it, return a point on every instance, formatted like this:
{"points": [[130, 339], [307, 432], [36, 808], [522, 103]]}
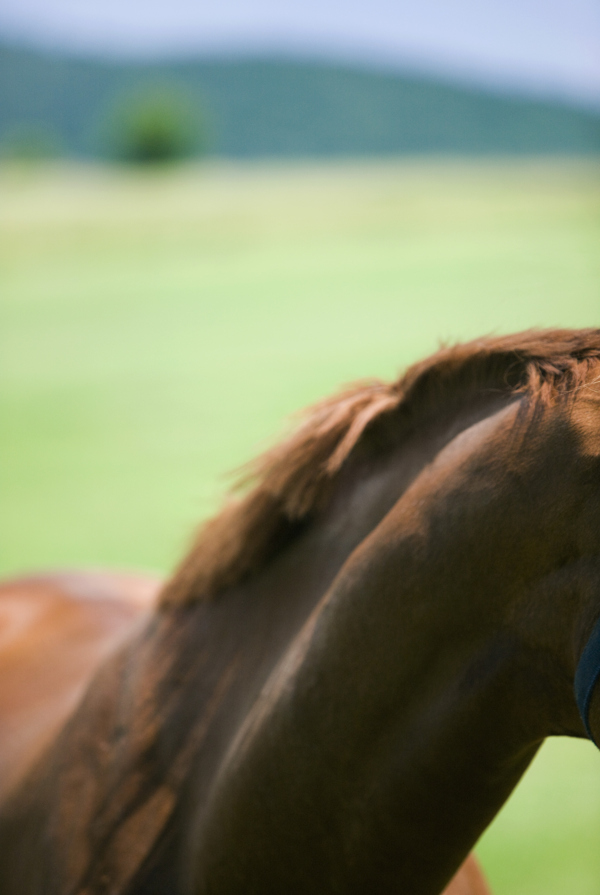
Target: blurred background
{"points": [[213, 214]]}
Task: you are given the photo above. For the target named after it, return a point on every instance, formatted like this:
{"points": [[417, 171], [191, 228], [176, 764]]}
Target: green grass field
{"points": [[157, 328]]}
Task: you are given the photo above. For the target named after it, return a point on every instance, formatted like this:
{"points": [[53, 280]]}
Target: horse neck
{"points": [[416, 694], [253, 624], [245, 632], [167, 708]]}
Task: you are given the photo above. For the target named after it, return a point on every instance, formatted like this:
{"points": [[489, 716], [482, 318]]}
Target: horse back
{"points": [[55, 630]]}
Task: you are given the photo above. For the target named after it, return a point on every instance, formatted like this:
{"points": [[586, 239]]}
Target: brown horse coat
{"points": [[55, 630], [356, 662]]}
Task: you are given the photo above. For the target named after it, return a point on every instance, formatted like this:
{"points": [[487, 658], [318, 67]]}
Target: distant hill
{"points": [[278, 107]]}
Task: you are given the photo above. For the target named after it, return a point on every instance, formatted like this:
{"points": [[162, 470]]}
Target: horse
{"points": [[55, 630], [358, 657]]}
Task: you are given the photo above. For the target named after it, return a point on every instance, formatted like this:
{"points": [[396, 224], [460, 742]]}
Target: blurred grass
{"points": [[156, 328]]}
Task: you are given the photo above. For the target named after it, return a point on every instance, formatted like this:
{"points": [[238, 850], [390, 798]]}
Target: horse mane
{"points": [[293, 480]]}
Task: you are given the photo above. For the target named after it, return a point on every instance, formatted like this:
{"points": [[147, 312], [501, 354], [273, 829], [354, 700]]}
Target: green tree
{"points": [[155, 125]]}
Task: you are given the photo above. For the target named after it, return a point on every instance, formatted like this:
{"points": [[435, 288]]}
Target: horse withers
{"points": [[356, 661]]}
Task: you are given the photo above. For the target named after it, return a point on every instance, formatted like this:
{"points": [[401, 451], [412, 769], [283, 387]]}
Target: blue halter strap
{"points": [[587, 676]]}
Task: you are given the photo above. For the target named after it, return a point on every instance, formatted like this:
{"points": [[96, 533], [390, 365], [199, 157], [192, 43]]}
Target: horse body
{"points": [[370, 680], [78, 619]]}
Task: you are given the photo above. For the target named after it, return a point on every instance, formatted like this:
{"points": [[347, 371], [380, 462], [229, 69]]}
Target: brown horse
{"points": [[357, 660], [55, 630]]}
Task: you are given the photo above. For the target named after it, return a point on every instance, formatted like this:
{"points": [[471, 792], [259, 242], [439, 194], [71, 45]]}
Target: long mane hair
{"points": [[292, 480]]}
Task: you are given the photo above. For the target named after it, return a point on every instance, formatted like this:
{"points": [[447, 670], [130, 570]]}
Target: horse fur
{"points": [[352, 710], [293, 479]]}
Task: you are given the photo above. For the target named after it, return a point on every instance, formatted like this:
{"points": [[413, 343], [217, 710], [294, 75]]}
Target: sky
{"points": [[542, 46]]}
